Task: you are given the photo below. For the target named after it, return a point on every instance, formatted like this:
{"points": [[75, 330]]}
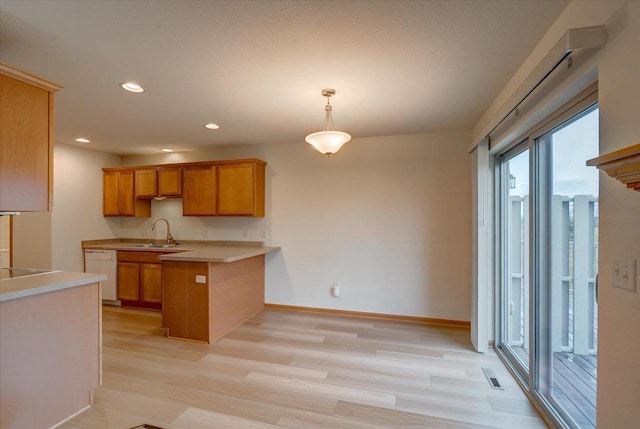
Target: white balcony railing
{"points": [[574, 253]]}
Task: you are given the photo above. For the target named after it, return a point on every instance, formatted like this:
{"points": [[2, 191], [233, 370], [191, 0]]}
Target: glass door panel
{"points": [[570, 382], [515, 260]]}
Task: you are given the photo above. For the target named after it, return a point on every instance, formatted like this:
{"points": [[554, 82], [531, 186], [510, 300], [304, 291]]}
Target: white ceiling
{"points": [[257, 68]]}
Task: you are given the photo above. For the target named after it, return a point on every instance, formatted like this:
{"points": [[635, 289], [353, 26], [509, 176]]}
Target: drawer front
{"points": [[150, 257]]}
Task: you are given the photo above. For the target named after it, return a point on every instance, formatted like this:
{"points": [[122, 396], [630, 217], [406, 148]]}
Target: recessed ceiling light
{"points": [[167, 150], [82, 140], [212, 126], [132, 87]]}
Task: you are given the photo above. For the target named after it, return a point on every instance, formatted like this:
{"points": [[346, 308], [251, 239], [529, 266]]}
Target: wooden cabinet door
{"points": [[110, 193], [199, 191], [119, 195], [126, 206], [235, 189], [129, 281], [25, 150], [146, 184], [170, 182], [151, 283]]}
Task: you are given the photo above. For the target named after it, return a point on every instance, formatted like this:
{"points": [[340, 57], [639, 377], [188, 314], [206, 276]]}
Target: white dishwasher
{"points": [[104, 262]]}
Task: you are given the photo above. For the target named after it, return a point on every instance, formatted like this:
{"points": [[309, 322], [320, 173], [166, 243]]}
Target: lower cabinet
{"points": [[140, 279]]}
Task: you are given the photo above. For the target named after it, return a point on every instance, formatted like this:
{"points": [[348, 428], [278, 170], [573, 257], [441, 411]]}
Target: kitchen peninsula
{"points": [[208, 288], [50, 344]]}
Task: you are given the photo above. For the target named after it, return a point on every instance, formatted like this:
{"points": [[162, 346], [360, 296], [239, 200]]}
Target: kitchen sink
{"points": [[157, 245]]}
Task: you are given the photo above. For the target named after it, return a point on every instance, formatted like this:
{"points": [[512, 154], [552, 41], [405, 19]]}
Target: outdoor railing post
{"points": [[558, 325], [581, 306]]}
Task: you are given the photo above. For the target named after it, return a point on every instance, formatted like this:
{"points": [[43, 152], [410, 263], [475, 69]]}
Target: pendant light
{"points": [[328, 141]]}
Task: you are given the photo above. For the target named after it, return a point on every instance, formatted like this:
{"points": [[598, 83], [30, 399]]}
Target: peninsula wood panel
{"points": [[236, 293], [26, 161], [186, 309], [49, 356]]}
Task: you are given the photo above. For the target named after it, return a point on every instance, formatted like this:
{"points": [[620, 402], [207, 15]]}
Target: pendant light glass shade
{"points": [[328, 141]]}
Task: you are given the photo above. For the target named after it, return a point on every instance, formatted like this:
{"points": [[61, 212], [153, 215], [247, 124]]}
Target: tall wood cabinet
{"points": [[26, 141]]}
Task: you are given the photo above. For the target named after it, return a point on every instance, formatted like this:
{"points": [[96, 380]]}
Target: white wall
{"points": [[619, 310], [617, 69], [77, 203], [387, 217]]}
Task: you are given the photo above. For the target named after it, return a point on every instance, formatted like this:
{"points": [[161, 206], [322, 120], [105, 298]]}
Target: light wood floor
{"points": [[300, 370]]}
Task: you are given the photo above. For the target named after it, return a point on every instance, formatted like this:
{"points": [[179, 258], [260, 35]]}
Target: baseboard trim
{"points": [[398, 317], [77, 413]]}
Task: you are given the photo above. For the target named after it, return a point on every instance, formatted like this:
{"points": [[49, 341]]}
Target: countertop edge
{"points": [[200, 255], [42, 286]]}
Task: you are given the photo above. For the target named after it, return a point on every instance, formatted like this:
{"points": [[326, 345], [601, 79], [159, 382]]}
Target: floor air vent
{"points": [[146, 426], [491, 377]]}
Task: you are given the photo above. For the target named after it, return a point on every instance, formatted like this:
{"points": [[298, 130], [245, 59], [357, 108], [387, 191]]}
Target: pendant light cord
{"points": [[328, 119]]}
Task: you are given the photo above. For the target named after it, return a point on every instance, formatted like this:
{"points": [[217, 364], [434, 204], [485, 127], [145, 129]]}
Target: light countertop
{"points": [[201, 251], [35, 284], [218, 254]]}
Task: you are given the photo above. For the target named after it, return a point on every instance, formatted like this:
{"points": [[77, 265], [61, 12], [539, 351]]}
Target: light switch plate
{"points": [[624, 274], [201, 279]]}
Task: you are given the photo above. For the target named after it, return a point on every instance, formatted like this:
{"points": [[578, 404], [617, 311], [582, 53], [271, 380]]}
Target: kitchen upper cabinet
{"points": [[211, 188], [119, 196], [146, 183], [241, 189], [26, 141], [199, 190], [110, 193], [158, 182], [170, 182]]}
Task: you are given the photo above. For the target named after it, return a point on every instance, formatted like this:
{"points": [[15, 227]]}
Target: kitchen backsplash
{"points": [[191, 228]]}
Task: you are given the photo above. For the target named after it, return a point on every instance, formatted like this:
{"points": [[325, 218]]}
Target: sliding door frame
{"points": [[501, 179], [537, 381]]}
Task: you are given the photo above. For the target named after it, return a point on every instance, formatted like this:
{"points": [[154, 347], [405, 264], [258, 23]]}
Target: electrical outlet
{"points": [[245, 233], [624, 274], [201, 279], [335, 289], [204, 233], [263, 234]]}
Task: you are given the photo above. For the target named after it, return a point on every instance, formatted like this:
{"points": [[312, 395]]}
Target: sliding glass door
{"points": [[514, 188], [548, 229]]}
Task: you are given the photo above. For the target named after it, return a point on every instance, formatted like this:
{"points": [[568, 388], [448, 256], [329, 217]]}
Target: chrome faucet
{"points": [[169, 236]]}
